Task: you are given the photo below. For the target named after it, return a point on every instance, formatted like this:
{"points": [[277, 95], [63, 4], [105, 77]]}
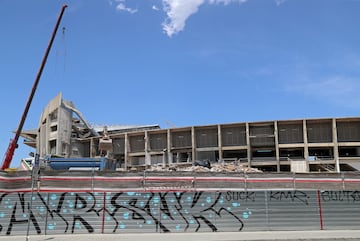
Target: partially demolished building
{"points": [[304, 145]]}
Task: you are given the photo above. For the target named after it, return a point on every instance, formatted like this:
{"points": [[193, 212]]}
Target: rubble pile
{"points": [[215, 167], [231, 167], [224, 167]]}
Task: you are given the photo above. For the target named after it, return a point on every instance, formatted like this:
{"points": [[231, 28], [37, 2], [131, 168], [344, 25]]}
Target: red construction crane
{"points": [[13, 142]]}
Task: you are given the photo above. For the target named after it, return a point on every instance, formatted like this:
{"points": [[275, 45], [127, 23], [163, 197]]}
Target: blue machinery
{"points": [[99, 163]]}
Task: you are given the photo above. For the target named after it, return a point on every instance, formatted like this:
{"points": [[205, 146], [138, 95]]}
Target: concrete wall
{"points": [[269, 146]]}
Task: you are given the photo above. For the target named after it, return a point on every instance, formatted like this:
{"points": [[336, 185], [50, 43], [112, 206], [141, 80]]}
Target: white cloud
{"points": [[178, 11], [120, 6]]}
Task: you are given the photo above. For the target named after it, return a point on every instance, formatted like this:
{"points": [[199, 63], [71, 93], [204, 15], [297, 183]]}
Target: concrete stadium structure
{"points": [[303, 145]]}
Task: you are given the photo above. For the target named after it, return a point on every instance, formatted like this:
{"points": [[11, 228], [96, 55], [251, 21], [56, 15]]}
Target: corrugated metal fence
{"points": [[177, 211]]}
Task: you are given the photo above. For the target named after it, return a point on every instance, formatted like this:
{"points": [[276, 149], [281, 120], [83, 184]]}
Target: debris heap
{"points": [[215, 167]]}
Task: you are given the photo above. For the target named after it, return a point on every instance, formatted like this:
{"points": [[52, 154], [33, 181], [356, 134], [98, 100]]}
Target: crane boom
{"points": [[13, 142]]}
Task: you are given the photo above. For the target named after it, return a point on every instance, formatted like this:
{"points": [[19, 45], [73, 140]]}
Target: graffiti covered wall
{"points": [[70, 212]]}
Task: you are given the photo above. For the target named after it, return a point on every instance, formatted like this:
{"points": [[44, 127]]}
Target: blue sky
{"points": [[181, 62]]}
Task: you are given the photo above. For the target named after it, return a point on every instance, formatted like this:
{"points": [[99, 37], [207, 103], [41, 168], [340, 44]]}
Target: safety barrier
{"points": [[45, 213], [112, 181], [42, 203]]}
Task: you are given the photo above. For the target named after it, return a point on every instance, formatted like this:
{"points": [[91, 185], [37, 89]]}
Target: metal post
{"points": [[103, 214], [320, 210], [47, 213], [266, 209], [34, 174], [92, 179]]}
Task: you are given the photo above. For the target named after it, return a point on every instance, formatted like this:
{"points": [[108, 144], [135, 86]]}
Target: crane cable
{"points": [[59, 71], [65, 50]]}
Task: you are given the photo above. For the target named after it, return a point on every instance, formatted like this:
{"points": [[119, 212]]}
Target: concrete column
{"points": [[169, 145], [248, 144], [220, 143], [306, 146], [126, 151], [147, 148], [91, 147], [193, 141], [47, 135], [277, 152], [336, 145]]}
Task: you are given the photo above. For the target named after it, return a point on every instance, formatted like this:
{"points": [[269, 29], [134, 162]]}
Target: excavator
{"points": [[14, 142]]}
